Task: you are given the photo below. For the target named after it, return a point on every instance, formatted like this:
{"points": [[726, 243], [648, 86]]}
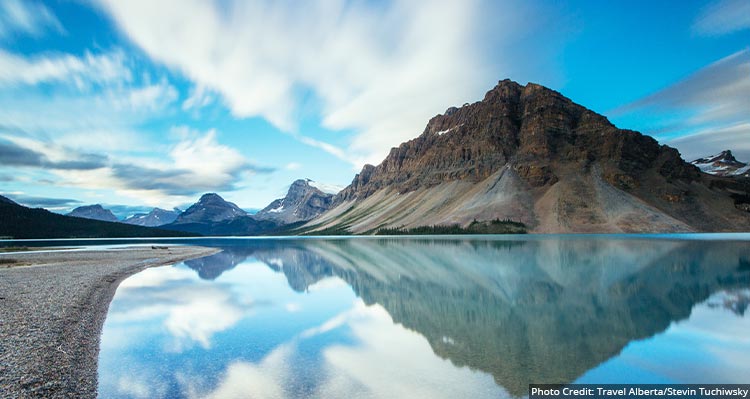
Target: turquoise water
{"points": [[430, 317]]}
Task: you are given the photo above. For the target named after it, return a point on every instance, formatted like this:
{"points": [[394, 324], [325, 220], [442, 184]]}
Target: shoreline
{"points": [[52, 309]]}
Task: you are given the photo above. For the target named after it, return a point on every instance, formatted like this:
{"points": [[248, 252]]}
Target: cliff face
{"points": [[528, 153], [302, 202]]}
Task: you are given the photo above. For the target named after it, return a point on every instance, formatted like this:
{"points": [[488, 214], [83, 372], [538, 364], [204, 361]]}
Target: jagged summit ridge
{"points": [[303, 201], [722, 164], [528, 126], [211, 207]]}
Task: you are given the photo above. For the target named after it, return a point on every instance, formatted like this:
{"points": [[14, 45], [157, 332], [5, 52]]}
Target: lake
{"points": [[418, 317]]}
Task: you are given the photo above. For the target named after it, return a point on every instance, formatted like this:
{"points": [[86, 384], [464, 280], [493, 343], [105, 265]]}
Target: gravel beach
{"points": [[52, 308]]}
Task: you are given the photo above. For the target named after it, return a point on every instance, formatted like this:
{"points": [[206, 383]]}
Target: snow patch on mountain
{"points": [[722, 164], [325, 187], [442, 132]]}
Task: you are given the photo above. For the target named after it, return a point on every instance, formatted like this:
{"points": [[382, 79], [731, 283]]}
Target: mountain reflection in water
{"points": [[521, 311]]}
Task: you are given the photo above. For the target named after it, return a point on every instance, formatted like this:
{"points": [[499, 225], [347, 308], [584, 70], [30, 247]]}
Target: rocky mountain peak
{"points": [[95, 212], [299, 188], [358, 184], [722, 164], [528, 153], [211, 207], [531, 128], [211, 198], [303, 201]]}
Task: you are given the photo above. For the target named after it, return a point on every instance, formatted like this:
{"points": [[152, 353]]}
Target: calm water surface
{"points": [[430, 317]]}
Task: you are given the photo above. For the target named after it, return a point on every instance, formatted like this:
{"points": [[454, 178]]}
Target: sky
{"points": [[137, 104]]}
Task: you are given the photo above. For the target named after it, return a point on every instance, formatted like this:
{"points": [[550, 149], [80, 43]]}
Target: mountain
{"points": [[303, 201], [157, 217], [20, 222], [5, 200], [210, 208], [531, 155], [724, 164], [214, 216], [95, 212], [239, 226]]}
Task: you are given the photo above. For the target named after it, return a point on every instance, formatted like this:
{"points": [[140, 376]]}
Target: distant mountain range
{"points": [[21, 222], [212, 215], [157, 216], [524, 154]]}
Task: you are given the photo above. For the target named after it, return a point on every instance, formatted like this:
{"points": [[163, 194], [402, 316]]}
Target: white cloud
{"points": [[380, 69], [62, 68], [711, 106], [81, 98], [202, 314], [91, 96], [248, 380], [293, 166], [150, 97], [329, 148], [327, 187], [210, 163], [710, 141], [723, 17], [199, 97], [26, 17], [716, 92], [192, 316], [198, 163], [113, 111], [195, 164], [109, 140], [359, 369]]}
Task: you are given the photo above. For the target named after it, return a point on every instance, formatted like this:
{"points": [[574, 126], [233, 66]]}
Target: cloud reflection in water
{"points": [[424, 317]]}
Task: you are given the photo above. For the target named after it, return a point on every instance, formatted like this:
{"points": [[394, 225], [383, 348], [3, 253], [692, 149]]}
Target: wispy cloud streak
{"points": [[723, 17]]}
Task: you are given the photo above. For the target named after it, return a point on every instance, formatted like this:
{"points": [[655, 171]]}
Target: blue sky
{"points": [[141, 103]]}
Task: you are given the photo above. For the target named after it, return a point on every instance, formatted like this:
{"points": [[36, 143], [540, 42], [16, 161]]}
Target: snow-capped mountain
{"points": [[723, 164], [157, 217], [305, 200]]}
